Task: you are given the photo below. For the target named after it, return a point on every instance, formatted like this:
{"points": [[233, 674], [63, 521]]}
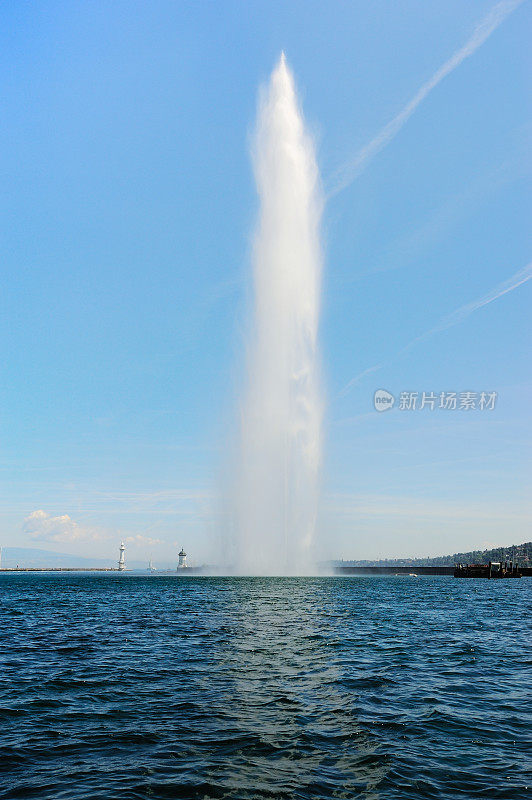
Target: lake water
{"points": [[124, 686]]}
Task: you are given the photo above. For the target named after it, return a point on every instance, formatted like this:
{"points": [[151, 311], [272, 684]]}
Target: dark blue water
{"points": [[185, 687]]}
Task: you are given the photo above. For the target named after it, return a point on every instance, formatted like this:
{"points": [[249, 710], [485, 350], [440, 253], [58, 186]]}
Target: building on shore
{"points": [[493, 569]]}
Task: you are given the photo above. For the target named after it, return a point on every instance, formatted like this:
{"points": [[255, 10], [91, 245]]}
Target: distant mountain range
{"points": [[522, 553], [31, 557]]}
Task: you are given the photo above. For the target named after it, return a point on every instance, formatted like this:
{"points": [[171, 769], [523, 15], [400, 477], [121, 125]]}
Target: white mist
{"points": [[280, 449]]}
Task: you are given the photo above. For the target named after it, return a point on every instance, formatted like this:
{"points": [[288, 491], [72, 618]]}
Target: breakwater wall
{"points": [[408, 570], [59, 569], [403, 570]]}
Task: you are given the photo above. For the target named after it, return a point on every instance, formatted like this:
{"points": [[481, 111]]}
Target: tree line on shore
{"points": [[520, 553]]}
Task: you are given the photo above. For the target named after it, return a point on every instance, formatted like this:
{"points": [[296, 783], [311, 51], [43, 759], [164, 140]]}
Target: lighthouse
{"points": [[182, 559], [122, 559]]}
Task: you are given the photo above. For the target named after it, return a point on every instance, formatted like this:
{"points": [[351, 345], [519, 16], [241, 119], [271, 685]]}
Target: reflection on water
{"points": [[160, 687], [289, 695]]}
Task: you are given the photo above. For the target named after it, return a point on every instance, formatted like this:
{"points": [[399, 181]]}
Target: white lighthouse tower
{"points": [[122, 559], [182, 559]]}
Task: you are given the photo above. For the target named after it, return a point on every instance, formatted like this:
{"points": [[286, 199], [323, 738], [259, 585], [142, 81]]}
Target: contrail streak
{"points": [[349, 385], [466, 310], [451, 320], [347, 174]]}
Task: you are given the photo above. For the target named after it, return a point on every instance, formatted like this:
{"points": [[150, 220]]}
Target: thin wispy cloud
{"points": [[140, 540], [478, 191], [466, 310], [358, 378], [512, 283], [356, 506], [347, 174], [449, 321]]}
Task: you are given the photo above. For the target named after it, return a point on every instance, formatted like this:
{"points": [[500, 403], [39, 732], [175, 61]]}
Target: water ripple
{"points": [[169, 687]]}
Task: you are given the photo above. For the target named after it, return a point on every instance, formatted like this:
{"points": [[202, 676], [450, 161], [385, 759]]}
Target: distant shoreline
{"points": [[336, 571]]}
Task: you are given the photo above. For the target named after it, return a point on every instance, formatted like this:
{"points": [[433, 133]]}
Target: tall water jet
{"points": [[280, 451]]}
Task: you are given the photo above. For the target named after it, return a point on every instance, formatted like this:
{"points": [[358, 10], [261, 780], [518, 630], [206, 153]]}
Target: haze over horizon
{"points": [[129, 210]]}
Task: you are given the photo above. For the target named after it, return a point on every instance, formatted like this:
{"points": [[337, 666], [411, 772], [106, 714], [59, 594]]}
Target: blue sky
{"points": [[128, 207]]}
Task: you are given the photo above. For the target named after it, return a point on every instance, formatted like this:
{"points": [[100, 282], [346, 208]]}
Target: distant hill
{"points": [[522, 553], [33, 557]]}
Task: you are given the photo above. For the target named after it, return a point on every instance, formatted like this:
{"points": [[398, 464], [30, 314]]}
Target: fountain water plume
{"points": [[280, 450]]}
